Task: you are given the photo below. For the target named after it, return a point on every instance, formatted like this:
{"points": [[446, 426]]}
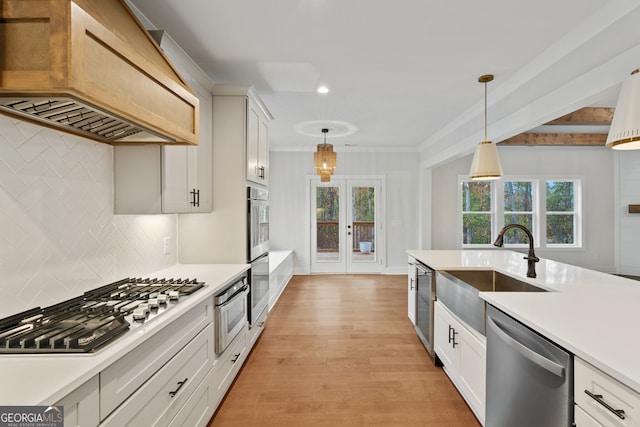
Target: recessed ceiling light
{"points": [[323, 89]]}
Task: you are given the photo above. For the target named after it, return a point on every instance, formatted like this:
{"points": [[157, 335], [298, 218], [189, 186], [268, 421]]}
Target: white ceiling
{"points": [[400, 72]]}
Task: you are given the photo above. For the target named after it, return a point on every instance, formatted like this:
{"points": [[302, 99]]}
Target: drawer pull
{"points": [[598, 398], [235, 358], [180, 384]]}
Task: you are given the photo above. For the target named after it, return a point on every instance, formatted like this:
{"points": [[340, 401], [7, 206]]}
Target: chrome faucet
{"points": [[531, 258]]}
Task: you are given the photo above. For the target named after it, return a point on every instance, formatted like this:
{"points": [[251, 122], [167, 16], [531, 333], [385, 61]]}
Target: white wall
{"points": [[288, 172], [594, 164], [58, 234], [628, 176]]}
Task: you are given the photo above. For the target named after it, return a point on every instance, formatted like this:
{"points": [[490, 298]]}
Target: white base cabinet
{"points": [[601, 400], [255, 331], [158, 401], [412, 290], [280, 272], [463, 353], [582, 419], [172, 379], [82, 406], [226, 367]]}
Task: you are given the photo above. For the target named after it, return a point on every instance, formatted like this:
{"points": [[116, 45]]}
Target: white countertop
{"points": [[594, 315], [46, 378]]}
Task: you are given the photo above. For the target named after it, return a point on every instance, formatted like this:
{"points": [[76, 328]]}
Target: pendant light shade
{"points": [[324, 160], [486, 163], [624, 133]]}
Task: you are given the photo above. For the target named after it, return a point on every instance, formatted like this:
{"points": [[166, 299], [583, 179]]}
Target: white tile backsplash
{"points": [[58, 234]]}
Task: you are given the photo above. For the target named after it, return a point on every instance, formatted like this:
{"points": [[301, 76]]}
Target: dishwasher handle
{"points": [[543, 362]]}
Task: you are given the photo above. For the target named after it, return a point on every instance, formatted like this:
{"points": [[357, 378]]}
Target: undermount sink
{"points": [[458, 290]]}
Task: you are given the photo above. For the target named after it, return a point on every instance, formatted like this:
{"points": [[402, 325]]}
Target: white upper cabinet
{"points": [[170, 179], [257, 144], [187, 171], [241, 125]]}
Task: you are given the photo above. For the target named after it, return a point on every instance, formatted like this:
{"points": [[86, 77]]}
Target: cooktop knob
{"points": [[139, 315]]}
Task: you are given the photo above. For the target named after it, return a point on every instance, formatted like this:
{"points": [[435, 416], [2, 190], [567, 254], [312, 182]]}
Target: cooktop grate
{"points": [[86, 323]]}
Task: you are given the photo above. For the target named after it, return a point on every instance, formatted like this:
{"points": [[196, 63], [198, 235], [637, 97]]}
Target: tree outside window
{"points": [[561, 213], [552, 212], [518, 209], [476, 212]]}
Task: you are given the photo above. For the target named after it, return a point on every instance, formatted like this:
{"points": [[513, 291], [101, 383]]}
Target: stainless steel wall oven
{"points": [[258, 251]]}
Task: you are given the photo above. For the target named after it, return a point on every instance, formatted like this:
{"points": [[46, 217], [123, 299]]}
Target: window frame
{"points": [[539, 201], [578, 223]]}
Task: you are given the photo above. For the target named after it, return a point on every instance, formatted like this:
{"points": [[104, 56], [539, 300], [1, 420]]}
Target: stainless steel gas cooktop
{"points": [[86, 323]]}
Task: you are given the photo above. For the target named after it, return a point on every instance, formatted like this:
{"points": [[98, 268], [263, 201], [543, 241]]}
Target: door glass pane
{"points": [[363, 223], [328, 224]]}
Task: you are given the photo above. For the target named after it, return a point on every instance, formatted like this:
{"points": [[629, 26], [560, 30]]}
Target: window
{"points": [[518, 199], [562, 219], [550, 208], [477, 215]]}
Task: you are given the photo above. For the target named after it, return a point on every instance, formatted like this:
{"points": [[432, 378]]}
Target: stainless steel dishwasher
{"points": [[529, 378]]}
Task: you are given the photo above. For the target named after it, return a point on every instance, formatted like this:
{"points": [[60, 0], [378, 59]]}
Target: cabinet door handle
{"points": [[598, 398], [180, 384], [261, 172], [452, 336], [195, 197], [235, 358], [411, 283]]}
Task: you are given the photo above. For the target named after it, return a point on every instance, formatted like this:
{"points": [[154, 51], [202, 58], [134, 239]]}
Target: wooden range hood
{"points": [[90, 68]]}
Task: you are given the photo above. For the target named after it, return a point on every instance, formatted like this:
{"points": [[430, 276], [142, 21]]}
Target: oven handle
{"points": [[242, 292]]}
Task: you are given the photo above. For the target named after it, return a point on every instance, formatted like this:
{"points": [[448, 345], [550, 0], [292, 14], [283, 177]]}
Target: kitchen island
{"points": [[592, 314], [44, 379]]}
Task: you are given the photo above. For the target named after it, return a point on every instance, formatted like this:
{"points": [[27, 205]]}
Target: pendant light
{"points": [[624, 133], [486, 163], [324, 159]]}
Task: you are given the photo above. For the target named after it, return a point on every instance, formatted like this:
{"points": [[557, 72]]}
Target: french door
{"points": [[346, 232]]}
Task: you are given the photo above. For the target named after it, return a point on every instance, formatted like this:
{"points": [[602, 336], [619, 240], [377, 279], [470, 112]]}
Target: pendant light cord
{"points": [[485, 79], [485, 111]]}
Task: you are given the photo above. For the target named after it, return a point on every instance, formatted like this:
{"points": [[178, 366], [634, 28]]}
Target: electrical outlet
{"points": [[167, 245]]}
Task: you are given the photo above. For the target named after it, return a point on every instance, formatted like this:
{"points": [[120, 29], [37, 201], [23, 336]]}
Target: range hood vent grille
{"points": [[79, 117], [90, 68]]}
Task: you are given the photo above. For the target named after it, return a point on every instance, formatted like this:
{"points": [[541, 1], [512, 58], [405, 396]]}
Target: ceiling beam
{"points": [[561, 139], [588, 116]]}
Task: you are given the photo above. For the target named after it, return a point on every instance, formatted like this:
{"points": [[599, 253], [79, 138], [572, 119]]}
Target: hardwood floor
{"points": [[339, 350]]}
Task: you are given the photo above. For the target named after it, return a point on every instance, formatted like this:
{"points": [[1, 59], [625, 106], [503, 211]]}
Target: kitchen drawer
{"points": [[614, 394], [199, 408], [162, 397], [582, 419], [81, 406], [124, 377], [228, 364]]}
